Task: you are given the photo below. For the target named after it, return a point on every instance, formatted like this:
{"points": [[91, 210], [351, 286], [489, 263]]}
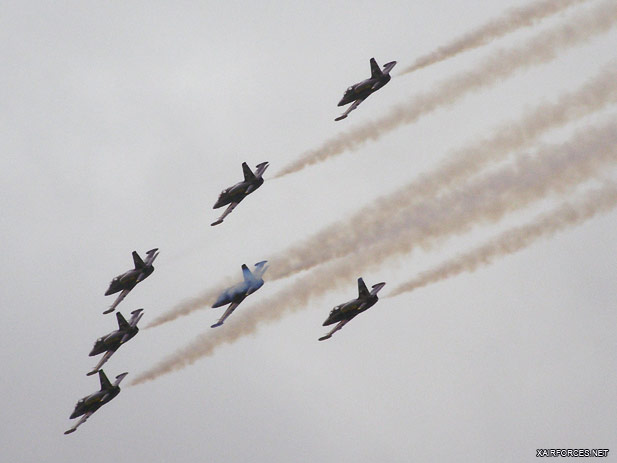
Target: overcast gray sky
{"points": [[122, 121]]}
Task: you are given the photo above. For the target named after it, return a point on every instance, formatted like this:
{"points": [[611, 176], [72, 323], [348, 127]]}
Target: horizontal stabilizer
{"points": [[119, 378], [388, 67], [376, 288]]}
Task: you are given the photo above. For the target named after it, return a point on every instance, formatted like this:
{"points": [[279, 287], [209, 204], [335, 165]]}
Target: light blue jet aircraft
{"points": [[238, 292]]}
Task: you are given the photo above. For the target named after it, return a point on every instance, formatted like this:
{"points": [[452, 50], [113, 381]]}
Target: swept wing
{"points": [[80, 422], [227, 313], [353, 106]]}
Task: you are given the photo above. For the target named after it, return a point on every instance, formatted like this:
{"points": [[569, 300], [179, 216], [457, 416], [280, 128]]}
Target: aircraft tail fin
{"points": [[362, 289], [105, 384], [139, 263], [375, 69], [123, 325], [248, 276], [376, 288], [248, 173]]}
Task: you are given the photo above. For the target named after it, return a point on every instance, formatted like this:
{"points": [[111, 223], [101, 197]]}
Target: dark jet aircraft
{"points": [[345, 312], [361, 91], [128, 280], [237, 293], [234, 194], [89, 404], [112, 341]]}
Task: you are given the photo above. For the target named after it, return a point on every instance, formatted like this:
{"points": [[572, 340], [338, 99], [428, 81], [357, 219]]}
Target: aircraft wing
{"points": [[227, 313], [104, 359], [230, 208], [341, 324], [80, 422], [119, 299], [353, 106]]}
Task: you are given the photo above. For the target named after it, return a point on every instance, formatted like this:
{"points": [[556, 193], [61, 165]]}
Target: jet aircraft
{"points": [[361, 91], [91, 403], [236, 193], [237, 293], [128, 280], [112, 341], [345, 312]]}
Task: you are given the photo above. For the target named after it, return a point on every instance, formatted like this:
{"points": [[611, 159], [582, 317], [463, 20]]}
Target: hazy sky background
{"points": [[122, 121]]}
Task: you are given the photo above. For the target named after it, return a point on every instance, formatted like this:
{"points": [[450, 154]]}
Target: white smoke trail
{"points": [[541, 48], [369, 224], [510, 21], [569, 214], [553, 170]]}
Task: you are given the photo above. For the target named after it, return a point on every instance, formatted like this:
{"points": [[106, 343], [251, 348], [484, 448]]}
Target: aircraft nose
{"points": [[342, 102]]}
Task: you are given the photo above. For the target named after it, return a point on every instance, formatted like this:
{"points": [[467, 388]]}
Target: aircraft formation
{"points": [[111, 342], [234, 295]]}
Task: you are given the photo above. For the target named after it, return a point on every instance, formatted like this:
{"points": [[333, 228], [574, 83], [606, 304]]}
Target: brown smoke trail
{"points": [[569, 214], [368, 224], [512, 20], [541, 48], [553, 170], [206, 298], [371, 222]]}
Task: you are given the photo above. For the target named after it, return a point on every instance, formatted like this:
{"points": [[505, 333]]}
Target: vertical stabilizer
{"points": [[248, 276], [362, 289], [375, 70], [248, 173], [139, 264], [123, 325], [105, 384]]}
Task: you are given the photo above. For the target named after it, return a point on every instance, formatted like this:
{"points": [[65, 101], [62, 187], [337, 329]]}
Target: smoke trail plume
{"points": [[553, 170], [569, 214], [206, 298], [368, 224], [371, 222], [541, 48], [512, 20]]}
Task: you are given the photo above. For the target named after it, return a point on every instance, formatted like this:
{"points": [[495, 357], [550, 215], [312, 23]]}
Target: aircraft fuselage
{"points": [[350, 309], [362, 90], [237, 192], [237, 293], [111, 341], [94, 401], [128, 280]]}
